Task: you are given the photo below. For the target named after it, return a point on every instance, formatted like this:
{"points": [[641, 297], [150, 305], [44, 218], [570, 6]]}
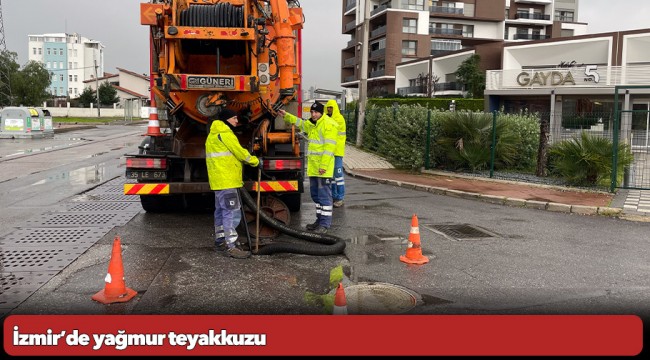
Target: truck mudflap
{"points": [[204, 187]]}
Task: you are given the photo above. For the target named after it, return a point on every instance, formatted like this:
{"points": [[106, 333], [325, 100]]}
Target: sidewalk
{"points": [[626, 204]]}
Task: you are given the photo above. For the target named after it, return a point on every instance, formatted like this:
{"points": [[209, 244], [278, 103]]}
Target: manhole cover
{"points": [[460, 231], [379, 298]]}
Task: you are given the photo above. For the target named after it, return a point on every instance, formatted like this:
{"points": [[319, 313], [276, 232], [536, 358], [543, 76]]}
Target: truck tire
{"points": [[292, 201], [154, 203]]}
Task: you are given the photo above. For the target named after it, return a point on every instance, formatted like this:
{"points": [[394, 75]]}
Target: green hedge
{"points": [[435, 103], [399, 134]]}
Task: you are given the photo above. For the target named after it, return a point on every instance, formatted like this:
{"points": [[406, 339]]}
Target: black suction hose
{"points": [[325, 244]]}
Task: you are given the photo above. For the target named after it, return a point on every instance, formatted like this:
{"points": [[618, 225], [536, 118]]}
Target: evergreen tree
{"points": [[107, 94], [470, 74]]}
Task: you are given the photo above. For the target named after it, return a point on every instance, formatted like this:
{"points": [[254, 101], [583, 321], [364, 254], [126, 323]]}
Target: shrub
{"points": [[466, 139], [587, 160]]}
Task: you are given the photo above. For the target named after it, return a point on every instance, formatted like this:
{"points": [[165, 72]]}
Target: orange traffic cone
{"points": [[340, 304], [115, 289], [153, 128], [414, 250]]}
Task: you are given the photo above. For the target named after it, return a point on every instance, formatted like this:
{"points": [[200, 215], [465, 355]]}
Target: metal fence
{"points": [[631, 128]]}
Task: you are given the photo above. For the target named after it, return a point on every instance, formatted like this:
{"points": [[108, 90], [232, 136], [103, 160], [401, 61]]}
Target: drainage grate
{"points": [[45, 258], [104, 206], [106, 190], [18, 286], [54, 236], [460, 231], [106, 197], [379, 298], [81, 219]]}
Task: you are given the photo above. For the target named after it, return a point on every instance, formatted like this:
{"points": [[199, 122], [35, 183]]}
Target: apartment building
{"points": [[70, 58], [405, 30]]}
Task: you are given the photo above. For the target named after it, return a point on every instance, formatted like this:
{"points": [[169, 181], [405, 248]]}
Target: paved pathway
{"points": [[634, 202]]}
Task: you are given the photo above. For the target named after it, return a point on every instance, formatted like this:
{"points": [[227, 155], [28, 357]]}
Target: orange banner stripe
{"points": [[277, 186], [146, 189]]}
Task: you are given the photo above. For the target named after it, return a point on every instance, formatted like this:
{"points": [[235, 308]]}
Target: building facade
{"points": [[582, 76], [403, 30], [70, 58]]}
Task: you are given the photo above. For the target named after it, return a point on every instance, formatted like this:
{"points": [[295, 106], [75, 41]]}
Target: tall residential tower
{"points": [[404, 30]]}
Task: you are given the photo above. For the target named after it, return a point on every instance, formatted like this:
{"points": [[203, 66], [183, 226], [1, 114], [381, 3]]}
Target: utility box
{"points": [[20, 122]]}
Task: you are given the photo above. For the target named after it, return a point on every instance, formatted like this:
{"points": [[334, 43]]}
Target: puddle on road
{"points": [[37, 150], [82, 176]]}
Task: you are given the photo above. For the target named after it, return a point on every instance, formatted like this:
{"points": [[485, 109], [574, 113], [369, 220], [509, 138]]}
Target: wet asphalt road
{"points": [[531, 261]]}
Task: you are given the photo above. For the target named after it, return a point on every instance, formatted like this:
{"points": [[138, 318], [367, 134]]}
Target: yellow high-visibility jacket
{"points": [[322, 143], [340, 120], [224, 156]]}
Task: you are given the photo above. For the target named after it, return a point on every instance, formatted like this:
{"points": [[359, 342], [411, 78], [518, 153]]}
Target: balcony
{"points": [[349, 78], [449, 86], [351, 4], [379, 9], [350, 61], [377, 73], [378, 31], [530, 37], [442, 31], [529, 16], [419, 89], [351, 43], [351, 25], [445, 10], [378, 54]]}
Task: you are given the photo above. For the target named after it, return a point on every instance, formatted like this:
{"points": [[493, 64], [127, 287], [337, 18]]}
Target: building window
{"points": [[61, 77], [75, 52], [566, 16], [48, 65], [70, 65], [409, 26], [69, 77], [34, 50], [507, 13], [61, 64], [48, 51], [413, 4], [60, 51], [69, 91], [75, 65], [40, 51], [60, 91], [76, 92], [468, 30], [54, 65], [75, 78], [409, 47], [52, 77], [445, 45]]}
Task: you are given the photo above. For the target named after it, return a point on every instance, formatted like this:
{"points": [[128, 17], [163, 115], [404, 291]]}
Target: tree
{"points": [[470, 74], [107, 94], [8, 69], [29, 85], [87, 97], [428, 83]]}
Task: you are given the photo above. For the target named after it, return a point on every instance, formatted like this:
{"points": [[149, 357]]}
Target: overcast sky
{"points": [[116, 23]]}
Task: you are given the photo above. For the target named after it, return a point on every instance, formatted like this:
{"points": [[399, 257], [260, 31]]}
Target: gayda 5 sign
{"points": [[556, 77]]}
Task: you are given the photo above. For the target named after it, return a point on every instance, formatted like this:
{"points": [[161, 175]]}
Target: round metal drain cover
{"points": [[379, 298]]}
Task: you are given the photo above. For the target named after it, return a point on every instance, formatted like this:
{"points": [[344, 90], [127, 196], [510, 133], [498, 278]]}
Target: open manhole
{"points": [[380, 298], [460, 231]]}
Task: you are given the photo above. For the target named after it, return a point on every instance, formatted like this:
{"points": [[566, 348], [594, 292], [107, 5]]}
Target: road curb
{"points": [[513, 202]]}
